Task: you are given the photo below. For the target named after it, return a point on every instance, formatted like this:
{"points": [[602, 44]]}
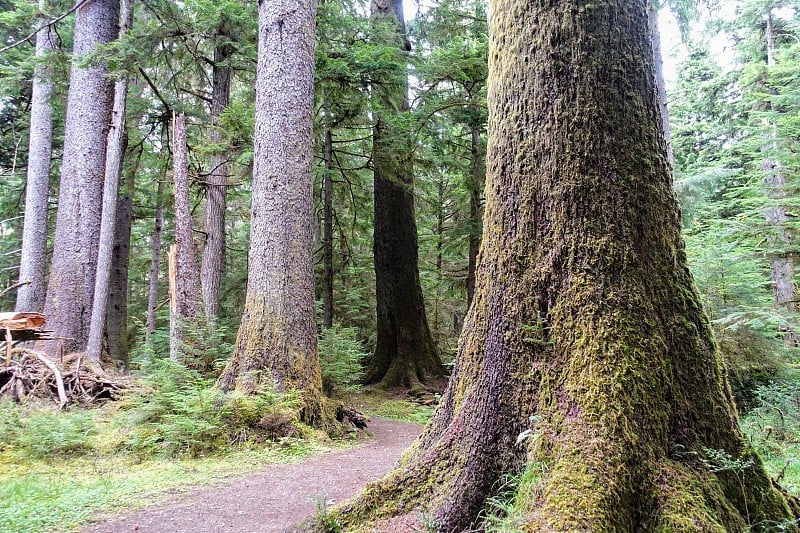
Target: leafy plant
{"points": [[341, 356]]}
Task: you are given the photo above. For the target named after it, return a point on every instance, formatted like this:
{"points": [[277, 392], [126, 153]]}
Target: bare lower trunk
{"points": [[213, 263], [185, 288], [33, 259], [586, 358], [155, 260], [115, 151], [277, 340], [70, 291]]}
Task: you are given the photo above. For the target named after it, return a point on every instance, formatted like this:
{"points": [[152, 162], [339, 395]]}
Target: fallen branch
{"points": [[62, 394]]}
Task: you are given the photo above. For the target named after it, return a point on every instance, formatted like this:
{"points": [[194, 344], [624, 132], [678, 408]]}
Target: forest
{"points": [[551, 242]]}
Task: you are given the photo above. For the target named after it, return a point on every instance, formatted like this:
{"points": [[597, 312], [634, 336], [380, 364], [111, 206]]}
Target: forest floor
{"points": [[276, 497]]}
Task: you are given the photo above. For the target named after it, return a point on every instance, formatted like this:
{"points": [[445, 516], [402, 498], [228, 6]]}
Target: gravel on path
{"points": [[275, 498]]}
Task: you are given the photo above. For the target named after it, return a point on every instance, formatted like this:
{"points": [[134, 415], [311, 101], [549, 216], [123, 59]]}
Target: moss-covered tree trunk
{"points": [[586, 328], [277, 340], [405, 354]]}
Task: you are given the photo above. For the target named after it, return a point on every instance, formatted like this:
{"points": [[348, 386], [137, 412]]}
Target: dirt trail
{"points": [[276, 497]]}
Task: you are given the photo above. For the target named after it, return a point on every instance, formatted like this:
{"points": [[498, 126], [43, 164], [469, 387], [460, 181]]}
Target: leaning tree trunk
{"points": [[405, 354], [184, 271], [586, 328], [327, 222], [661, 85], [277, 340], [70, 290], [212, 266], [33, 259], [115, 152]]}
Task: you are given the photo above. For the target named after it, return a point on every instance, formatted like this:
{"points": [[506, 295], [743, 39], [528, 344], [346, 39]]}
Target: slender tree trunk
{"points": [[586, 357], [33, 259], [405, 354], [477, 168], [213, 264], [661, 86], [185, 286], [115, 151], [117, 309], [277, 340], [155, 261], [327, 226], [70, 290], [782, 269]]}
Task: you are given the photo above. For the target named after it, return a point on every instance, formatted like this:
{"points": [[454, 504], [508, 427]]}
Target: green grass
{"points": [[47, 495], [375, 403], [783, 463]]}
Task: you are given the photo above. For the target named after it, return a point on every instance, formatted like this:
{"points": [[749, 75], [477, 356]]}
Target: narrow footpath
{"points": [[275, 498]]}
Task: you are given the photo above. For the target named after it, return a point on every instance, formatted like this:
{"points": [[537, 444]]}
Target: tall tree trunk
{"points": [[781, 262], [117, 308], [477, 171], [155, 261], [115, 151], [405, 354], [33, 259], [661, 86], [327, 225], [277, 340], [586, 356], [70, 290], [185, 286], [212, 267]]}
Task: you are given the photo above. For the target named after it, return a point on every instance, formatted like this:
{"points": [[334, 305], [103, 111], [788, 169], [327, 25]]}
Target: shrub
{"points": [[341, 357], [182, 413]]}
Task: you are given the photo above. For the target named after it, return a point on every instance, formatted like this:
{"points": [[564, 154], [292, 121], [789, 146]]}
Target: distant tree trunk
{"points": [[115, 151], [185, 286], [586, 356], [277, 340], [117, 309], [776, 183], [477, 168], [212, 267], [327, 226], [33, 259], [405, 354], [661, 86], [155, 261], [70, 290]]}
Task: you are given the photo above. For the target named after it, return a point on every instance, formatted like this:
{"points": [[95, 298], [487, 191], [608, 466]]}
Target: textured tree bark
{"points": [[477, 169], [186, 292], [277, 339], [405, 354], [586, 328], [155, 260], [33, 258], [776, 183], [212, 266], [70, 289], [117, 308], [115, 151]]}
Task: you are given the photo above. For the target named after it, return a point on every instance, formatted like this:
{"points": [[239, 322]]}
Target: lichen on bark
{"points": [[586, 327]]}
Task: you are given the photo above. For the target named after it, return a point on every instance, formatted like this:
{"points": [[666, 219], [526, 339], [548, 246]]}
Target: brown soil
{"points": [[277, 497]]}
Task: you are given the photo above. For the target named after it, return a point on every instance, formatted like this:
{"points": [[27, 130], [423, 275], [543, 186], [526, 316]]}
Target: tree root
{"points": [[31, 374]]}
